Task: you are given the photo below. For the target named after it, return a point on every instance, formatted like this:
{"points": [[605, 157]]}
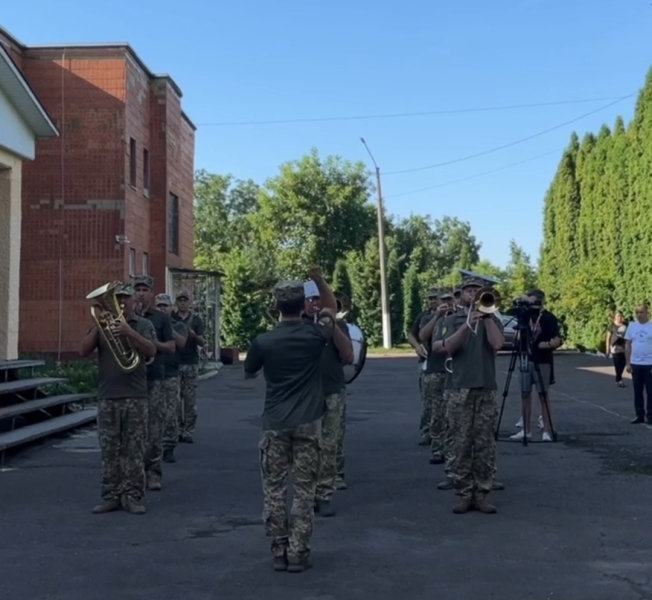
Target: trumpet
{"points": [[486, 301]]}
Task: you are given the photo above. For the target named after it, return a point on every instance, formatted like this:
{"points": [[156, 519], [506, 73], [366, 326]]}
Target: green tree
{"points": [[395, 288], [412, 299], [365, 283], [314, 212]]}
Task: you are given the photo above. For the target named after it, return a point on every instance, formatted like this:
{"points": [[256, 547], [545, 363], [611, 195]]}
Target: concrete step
{"points": [[30, 433], [22, 408], [21, 385]]}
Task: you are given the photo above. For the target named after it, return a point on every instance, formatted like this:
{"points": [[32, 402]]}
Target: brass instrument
{"points": [[486, 301], [105, 302], [343, 305]]}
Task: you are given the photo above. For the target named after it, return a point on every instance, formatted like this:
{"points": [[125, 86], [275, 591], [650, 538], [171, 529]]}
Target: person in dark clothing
{"points": [[545, 338], [290, 357], [615, 346]]}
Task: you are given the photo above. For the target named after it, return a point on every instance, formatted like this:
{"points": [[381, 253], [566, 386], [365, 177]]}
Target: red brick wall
{"points": [[137, 126], [99, 99], [69, 248]]}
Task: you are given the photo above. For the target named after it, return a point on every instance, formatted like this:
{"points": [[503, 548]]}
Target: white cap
{"points": [[310, 289]]}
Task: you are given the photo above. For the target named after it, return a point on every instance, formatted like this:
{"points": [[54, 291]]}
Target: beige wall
{"points": [[10, 216]]}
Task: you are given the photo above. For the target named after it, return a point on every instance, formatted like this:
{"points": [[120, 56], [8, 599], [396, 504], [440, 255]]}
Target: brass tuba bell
{"points": [[343, 305], [107, 313]]}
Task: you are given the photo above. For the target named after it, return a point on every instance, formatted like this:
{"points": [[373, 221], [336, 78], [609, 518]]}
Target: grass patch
{"points": [[81, 376], [399, 349]]}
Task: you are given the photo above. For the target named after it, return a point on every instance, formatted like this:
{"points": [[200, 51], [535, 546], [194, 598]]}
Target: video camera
{"points": [[526, 310]]}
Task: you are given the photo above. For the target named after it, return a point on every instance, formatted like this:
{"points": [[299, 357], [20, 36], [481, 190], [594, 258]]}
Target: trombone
{"points": [[485, 301]]}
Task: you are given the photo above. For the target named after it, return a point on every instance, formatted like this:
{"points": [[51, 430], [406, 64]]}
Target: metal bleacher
{"points": [[28, 414]]}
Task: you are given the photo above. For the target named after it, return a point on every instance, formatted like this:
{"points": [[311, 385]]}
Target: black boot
{"points": [[168, 455]]}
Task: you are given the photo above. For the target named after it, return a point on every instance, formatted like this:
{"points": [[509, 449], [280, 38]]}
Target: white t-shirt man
{"points": [[640, 334]]}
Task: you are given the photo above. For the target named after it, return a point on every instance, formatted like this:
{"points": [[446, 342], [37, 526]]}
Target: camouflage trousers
{"points": [[171, 422], [281, 451], [188, 399], [424, 424], [433, 390], [156, 401], [332, 437], [122, 432], [340, 442], [472, 420]]}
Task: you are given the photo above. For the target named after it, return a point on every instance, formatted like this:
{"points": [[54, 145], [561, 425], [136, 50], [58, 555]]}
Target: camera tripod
{"points": [[522, 353]]}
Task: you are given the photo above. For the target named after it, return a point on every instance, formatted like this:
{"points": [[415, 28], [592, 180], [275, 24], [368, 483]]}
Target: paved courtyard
{"points": [[573, 523]]}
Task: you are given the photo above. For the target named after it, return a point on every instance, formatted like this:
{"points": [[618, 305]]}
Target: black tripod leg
{"points": [[545, 400], [508, 380]]}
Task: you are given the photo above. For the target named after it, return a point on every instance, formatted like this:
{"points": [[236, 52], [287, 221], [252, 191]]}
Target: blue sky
{"points": [[260, 61]]}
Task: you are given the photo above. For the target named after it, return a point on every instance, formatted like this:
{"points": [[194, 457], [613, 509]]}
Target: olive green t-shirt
{"points": [[291, 359], [435, 360], [173, 360], [419, 323], [113, 382], [332, 369], [474, 364]]}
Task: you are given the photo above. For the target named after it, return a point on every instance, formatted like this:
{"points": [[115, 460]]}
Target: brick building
{"points": [[111, 197]]}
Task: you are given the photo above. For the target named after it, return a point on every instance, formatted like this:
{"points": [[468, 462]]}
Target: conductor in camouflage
{"points": [[471, 397], [290, 356]]}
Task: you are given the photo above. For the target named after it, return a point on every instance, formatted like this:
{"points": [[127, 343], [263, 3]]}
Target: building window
{"points": [[133, 172], [146, 172], [145, 263], [132, 262], [173, 224]]}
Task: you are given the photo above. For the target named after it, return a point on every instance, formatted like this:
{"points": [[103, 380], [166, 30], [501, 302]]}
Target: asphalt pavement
{"points": [[573, 521]]}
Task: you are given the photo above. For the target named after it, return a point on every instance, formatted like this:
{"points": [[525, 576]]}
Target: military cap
{"points": [[433, 292], [124, 289], [145, 280], [289, 290], [184, 294], [446, 294], [163, 299], [473, 282]]}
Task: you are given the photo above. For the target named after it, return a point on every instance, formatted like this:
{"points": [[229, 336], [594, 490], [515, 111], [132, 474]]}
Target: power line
{"points": [[402, 115], [509, 166], [525, 139]]}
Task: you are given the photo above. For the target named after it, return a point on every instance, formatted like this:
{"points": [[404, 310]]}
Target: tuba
{"points": [[107, 313], [358, 340], [487, 301]]}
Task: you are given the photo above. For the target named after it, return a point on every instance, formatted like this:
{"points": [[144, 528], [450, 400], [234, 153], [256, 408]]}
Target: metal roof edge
{"points": [[46, 122]]}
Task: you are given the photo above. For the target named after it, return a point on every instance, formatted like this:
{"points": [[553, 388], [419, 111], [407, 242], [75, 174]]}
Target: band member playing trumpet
{"points": [[291, 358], [155, 379], [122, 408], [422, 352], [472, 341], [433, 378]]}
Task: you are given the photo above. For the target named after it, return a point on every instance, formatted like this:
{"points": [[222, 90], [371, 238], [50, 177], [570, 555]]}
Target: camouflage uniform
{"points": [[473, 416], [122, 425], [171, 423], [424, 425], [298, 450], [332, 440], [340, 460], [122, 433], [434, 391], [188, 400], [157, 401]]}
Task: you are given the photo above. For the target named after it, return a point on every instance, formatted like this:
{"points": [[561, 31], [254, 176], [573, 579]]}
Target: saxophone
{"points": [[107, 313]]}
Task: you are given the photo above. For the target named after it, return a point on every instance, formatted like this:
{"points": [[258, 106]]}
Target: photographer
{"points": [[538, 338]]}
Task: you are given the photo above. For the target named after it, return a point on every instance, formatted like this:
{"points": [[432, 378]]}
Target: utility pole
{"points": [[384, 293]]}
